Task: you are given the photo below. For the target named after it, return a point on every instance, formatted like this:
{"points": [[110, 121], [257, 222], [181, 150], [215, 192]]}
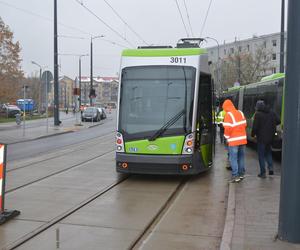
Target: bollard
{"points": [[5, 215]]}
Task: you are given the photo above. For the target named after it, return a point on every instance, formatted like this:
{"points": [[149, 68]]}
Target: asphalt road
{"points": [[24, 150]]}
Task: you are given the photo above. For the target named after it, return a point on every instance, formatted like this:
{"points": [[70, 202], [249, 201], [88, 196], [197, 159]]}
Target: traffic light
{"points": [[92, 93]]}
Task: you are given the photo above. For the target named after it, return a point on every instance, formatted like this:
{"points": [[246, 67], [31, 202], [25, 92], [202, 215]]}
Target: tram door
{"points": [[205, 120]]}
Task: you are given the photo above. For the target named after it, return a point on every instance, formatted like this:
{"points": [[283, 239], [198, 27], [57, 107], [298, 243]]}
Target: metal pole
{"points": [[79, 82], [56, 100], [91, 75], [24, 109], [281, 69], [40, 91], [47, 125], [289, 216]]}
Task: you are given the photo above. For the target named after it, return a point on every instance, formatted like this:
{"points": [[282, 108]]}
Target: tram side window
{"points": [[249, 105], [205, 101]]}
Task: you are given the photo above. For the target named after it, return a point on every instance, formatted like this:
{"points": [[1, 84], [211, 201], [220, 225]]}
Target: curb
{"points": [[229, 220], [51, 135], [41, 137]]}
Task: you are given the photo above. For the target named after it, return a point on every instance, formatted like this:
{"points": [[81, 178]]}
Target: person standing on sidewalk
{"points": [[264, 129], [235, 133]]}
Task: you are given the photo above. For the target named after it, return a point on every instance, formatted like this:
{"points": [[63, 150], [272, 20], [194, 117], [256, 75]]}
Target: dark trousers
{"points": [[264, 154]]}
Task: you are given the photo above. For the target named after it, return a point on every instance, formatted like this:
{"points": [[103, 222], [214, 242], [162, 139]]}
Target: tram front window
{"points": [[151, 96]]}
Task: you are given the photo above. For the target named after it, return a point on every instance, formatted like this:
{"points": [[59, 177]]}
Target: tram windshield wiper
{"points": [[174, 119]]}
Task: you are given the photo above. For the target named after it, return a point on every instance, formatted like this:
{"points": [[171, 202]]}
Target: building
{"points": [[66, 98], [269, 44], [106, 89]]}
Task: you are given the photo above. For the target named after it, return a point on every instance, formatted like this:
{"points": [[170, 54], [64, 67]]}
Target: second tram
{"points": [[270, 90], [165, 110]]}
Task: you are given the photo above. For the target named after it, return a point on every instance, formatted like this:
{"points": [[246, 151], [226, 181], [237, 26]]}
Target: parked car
{"points": [[102, 112], [91, 113], [9, 110]]}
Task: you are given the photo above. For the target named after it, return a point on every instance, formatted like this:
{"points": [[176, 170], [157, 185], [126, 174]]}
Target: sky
{"points": [[156, 22]]}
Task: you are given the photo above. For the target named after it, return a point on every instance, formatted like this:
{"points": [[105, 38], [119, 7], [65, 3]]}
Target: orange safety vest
{"points": [[234, 125]]}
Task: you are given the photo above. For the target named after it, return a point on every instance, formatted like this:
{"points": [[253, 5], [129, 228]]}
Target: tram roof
{"points": [[272, 77], [163, 52]]}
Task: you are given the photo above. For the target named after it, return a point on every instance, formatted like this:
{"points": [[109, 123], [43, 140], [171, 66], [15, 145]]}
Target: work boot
{"points": [[235, 179], [228, 167], [261, 176]]}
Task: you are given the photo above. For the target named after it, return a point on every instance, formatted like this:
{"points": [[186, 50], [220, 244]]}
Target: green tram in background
{"points": [[269, 89], [165, 121]]}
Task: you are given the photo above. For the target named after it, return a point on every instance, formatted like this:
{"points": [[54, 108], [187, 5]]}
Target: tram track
{"points": [[58, 153], [59, 172], [138, 243], [62, 216]]}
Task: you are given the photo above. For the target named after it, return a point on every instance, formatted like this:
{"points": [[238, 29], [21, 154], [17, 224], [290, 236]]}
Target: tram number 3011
{"points": [[177, 59]]}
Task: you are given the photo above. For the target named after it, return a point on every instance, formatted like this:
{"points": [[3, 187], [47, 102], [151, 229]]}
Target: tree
{"points": [[11, 73], [244, 67]]}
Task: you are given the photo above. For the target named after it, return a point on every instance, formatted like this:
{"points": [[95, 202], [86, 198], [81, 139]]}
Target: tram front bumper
{"points": [[156, 164]]}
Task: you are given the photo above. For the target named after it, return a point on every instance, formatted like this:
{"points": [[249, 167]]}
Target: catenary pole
{"points": [[91, 73], [281, 69], [289, 215], [56, 100]]}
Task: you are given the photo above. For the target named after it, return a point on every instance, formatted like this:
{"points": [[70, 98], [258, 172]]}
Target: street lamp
{"points": [[80, 78], [92, 91], [40, 85], [218, 61]]}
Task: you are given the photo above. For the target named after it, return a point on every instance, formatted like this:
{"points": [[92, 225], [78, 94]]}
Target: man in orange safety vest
{"points": [[235, 133]]}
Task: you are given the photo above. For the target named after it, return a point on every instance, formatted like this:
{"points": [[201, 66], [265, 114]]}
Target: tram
{"points": [[270, 90], [164, 123]]}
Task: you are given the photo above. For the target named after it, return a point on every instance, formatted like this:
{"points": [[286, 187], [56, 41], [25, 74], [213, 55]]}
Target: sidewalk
{"points": [[255, 210], [11, 133]]}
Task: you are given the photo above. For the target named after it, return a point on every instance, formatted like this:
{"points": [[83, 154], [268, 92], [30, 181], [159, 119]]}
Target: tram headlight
{"points": [[188, 147], [119, 143]]}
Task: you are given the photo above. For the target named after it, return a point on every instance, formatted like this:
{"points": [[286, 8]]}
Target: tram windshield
{"points": [[151, 96]]}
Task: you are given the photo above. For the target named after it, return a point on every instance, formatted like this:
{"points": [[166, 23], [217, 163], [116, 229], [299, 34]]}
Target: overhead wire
{"points": [[204, 22], [43, 17], [118, 15], [188, 17], [107, 25], [187, 33], [86, 38]]}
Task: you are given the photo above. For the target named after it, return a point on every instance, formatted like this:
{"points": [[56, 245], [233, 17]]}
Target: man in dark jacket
{"points": [[264, 128]]}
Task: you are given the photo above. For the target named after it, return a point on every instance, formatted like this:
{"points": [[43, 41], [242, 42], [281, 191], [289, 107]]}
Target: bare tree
{"points": [[11, 74], [244, 67]]}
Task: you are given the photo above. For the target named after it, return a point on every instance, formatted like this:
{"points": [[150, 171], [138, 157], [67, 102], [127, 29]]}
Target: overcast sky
{"points": [[156, 22]]}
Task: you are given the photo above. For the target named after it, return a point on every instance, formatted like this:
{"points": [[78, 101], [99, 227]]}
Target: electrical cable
{"points": [[182, 18], [205, 18], [188, 17], [125, 23], [86, 38], [108, 26], [43, 17]]}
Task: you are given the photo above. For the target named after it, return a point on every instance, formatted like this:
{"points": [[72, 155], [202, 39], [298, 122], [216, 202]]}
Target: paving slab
{"points": [[47, 199], [73, 237], [12, 230], [169, 241], [196, 218], [256, 217]]}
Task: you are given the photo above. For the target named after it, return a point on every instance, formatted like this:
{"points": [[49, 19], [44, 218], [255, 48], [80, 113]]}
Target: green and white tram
{"points": [[270, 90], [165, 110]]}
